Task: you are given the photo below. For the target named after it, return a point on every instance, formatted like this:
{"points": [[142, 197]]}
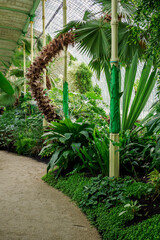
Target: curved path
{"points": [[32, 210]]}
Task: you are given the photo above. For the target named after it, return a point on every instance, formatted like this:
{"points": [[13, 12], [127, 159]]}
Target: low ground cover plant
{"points": [[104, 199]]}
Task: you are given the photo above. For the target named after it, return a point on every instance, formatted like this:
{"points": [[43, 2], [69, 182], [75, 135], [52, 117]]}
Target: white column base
{"points": [[114, 156]]}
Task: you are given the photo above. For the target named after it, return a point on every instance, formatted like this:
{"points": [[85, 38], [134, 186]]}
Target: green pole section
{"points": [[65, 84], [115, 96], [65, 99], [114, 101]]}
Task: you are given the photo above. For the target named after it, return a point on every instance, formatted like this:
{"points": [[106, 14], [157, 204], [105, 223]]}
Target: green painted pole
{"points": [[115, 96], [65, 84]]}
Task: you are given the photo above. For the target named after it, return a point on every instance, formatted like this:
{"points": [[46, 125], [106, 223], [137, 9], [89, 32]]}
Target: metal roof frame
{"points": [[11, 32]]}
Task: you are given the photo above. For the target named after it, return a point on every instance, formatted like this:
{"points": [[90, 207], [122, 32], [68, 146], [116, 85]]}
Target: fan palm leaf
{"points": [[124, 9]]}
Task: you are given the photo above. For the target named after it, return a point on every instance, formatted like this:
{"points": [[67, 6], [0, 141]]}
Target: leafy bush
{"points": [[20, 131], [108, 191], [95, 156], [89, 107], [83, 77], [25, 145], [153, 129], [63, 139], [154, 178], [136, 153]]}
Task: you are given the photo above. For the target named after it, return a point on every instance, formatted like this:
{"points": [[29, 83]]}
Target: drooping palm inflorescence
{"points": [[35, 70]]}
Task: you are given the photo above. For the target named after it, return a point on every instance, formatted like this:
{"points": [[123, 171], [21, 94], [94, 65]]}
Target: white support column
{"points": [[24, 66], [44, 44], [65, 50], [31, 29]]}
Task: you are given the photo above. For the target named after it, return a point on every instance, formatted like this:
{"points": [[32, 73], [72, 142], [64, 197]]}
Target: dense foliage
{"points": [[76, 146], [92, 195], [21, 128], [83, 77]]}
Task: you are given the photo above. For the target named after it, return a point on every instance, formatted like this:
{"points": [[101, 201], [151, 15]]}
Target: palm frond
{"points": [[17, 72], [124, 9], [48, 38], [92, 38]]}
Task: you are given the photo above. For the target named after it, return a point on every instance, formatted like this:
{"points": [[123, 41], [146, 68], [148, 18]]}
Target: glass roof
{"points": [[14, 20]]}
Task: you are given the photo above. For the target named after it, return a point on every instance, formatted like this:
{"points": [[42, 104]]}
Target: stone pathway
{"points": [[32, 210]]}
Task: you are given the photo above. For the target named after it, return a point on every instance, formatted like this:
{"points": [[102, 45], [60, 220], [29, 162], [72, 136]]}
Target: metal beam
{"points": [[32, 12], [11, 28], [8, 40], [14, 10], [7, 49], [5, 56]]}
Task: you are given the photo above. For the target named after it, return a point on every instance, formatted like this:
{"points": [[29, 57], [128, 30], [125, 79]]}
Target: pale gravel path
{"points": [[32, 210]]}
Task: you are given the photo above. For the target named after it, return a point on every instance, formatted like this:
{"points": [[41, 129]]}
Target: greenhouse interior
{"points": [[80, 119]]}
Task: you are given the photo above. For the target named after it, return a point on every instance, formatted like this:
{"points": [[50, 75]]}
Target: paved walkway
{"points": [[32, 210]]}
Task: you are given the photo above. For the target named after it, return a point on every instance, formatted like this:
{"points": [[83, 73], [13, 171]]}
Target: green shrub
{"points": [[95, 156], [25, 145], [21, 132], [108, 191], [63, 139], [83, 77], [136, 153]]}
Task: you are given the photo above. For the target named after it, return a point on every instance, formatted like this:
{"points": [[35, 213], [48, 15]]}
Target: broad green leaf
{"points": [[5, 85], [128, 89]]}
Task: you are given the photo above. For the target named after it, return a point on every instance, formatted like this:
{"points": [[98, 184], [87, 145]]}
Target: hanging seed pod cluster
{"points": [[34, 73]]}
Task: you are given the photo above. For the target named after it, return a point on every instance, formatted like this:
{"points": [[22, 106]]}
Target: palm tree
{"points": [[93, 37]]}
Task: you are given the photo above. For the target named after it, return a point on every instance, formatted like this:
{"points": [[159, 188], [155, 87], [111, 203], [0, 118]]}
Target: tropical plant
{"points": [[145, 86], [95, 156], [109, 191], [125, 8], [154, 178], [93, 37], [83, 78], [5, 85], [89, 106], [63, 138], [17, 125], [137, 153], [24, 145], [132, 208], [147, 16]]}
